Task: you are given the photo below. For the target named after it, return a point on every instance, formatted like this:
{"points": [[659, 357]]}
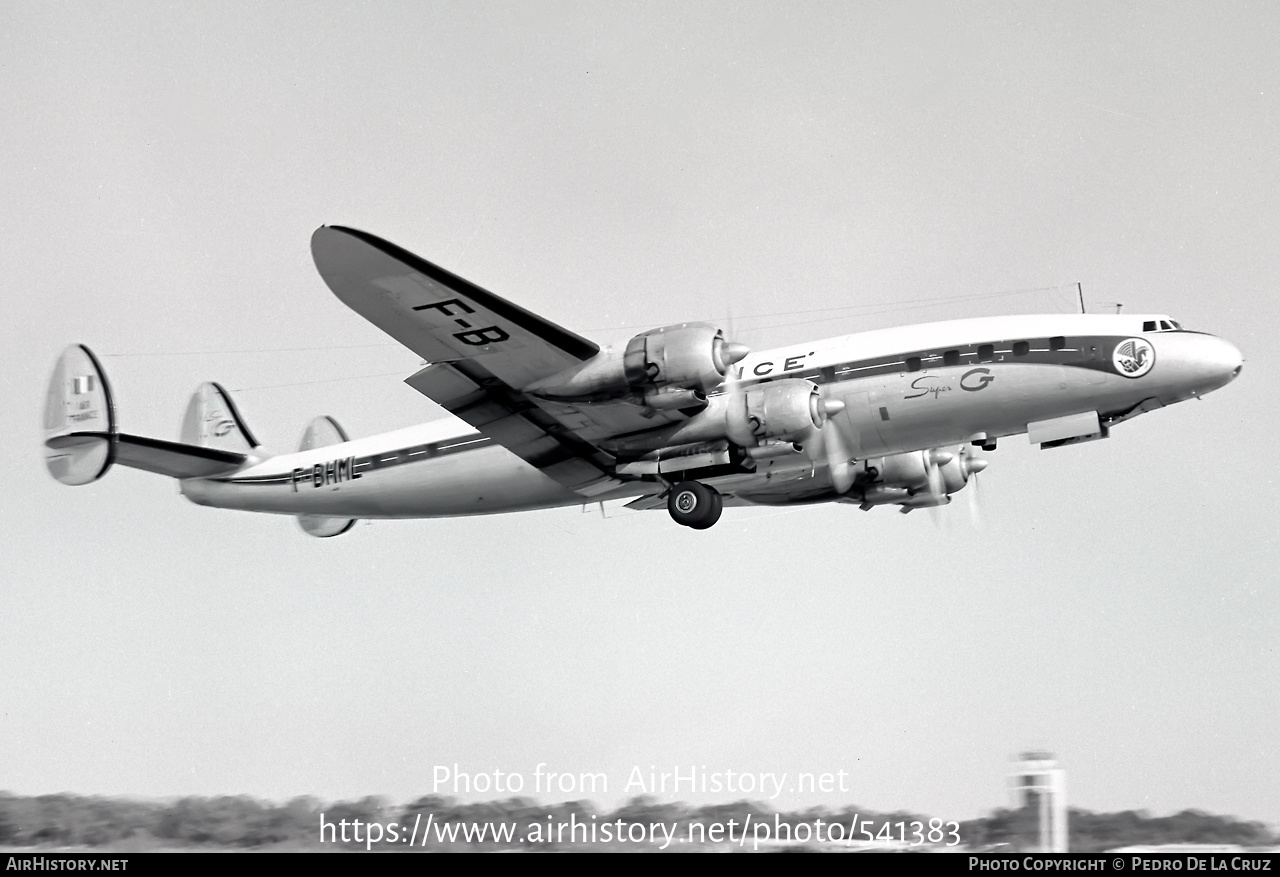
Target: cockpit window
{"points": [[1149, 326], [1164, 324], [1175, 324]]}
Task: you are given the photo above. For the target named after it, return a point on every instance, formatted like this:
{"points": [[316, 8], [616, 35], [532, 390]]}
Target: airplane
{"points": [[680, 417]]}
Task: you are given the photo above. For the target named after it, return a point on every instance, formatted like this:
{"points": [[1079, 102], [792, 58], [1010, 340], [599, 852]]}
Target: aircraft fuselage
{"points": [[904, 389]]}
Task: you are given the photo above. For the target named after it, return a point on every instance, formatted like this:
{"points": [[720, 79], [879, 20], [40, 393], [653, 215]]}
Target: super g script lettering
{"points": [[926, 388]]}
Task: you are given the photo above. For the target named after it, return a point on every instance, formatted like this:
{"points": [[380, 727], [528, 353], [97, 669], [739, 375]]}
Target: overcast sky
{"points": [[616, 167]]}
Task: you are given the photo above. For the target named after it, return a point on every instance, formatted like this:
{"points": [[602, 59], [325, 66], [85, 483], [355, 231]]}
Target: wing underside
{"points": [[438, 315], [482, 349], [507, 416]]}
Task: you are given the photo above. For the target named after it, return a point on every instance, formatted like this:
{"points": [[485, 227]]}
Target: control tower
{"points": [[1039, 784]]}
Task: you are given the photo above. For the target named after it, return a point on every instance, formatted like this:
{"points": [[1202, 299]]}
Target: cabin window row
{"points": [[986, 353]]}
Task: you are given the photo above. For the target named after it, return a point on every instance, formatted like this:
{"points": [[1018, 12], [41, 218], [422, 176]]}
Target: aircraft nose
{"points": [[1231, 359], [1223, 360]]}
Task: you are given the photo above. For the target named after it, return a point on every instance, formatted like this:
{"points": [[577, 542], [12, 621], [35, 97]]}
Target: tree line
{"points": [[243, 822]]}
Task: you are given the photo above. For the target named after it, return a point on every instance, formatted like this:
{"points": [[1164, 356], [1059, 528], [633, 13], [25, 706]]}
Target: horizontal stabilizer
{"points": [[175, 459], [153, 455], [81, 441]]}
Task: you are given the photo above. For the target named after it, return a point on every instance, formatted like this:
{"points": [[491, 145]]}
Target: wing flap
{"points": [[513, 431], [468, 391]]}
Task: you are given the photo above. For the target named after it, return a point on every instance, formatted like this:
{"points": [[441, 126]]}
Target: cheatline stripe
{"points": [[379, 461], [1087, 352]]}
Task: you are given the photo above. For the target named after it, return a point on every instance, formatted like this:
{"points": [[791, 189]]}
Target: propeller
{"points": [[732, 373], [935, 492], [833, 448], [973, 464], [826, 441], [955, 470], [822, 443], [731, 352], [934, 461]]}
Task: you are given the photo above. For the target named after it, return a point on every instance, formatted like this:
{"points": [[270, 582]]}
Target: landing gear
{"points": [[693, 504]]}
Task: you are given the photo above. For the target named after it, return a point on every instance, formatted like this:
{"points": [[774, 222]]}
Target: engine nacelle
{"points": [[690, 356], [904, 471], [775, 410], [905, 478]]}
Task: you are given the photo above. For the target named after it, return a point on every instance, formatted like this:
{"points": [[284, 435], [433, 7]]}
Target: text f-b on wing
{"points": [[438, 315]]}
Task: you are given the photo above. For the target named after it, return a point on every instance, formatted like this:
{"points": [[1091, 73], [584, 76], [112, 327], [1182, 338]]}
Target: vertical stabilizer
{"points": [[81, 441], [79, 419], [212, 421], [321, 433]]}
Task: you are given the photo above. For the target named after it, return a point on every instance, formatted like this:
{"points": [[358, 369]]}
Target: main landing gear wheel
{"points": [[693, 504]]}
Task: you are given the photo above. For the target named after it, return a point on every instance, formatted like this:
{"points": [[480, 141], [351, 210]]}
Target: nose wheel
{"points": [[694, 504]]}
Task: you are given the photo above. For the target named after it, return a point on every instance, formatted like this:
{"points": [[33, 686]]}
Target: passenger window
{"points": [[1057, 342], [913, 363], [1149, 326], [986, 353], [1021, 348], [951, 357]]}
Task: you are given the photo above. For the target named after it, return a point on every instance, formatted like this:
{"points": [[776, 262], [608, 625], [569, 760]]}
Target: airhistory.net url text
{"points": [[592, 830]]}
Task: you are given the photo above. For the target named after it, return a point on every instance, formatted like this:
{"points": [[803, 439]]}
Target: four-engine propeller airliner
{"points": [[680, 417]]}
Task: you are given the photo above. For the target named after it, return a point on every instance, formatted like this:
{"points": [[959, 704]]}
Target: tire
{"points": [[693, 504], [717, 502]]}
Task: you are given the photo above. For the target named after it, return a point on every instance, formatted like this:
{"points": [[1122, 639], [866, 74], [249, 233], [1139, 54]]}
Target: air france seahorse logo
{"points": [[1134, 357]]}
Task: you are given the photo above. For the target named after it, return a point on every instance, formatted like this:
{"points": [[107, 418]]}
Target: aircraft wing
{"points": [[467, 390], [482, 350], [438, 315]]}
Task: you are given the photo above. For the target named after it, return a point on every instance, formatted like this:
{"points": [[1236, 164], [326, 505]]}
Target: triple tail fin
{"points": [[79, 419], [320, 433], [212, 421], [82, 441]]}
